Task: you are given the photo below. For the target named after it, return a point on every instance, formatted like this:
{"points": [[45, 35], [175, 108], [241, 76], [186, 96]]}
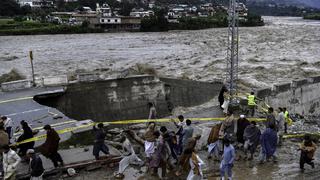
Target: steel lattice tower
{"points": [[233, 46]]}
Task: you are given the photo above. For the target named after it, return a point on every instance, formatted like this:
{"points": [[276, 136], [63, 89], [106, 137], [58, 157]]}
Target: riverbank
{"points": [[159, 23], [152, 24], [313, 16], [15, 27]]}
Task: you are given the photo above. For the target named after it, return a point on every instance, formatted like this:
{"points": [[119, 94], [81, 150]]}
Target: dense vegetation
{"points": [[159, 23], [14, 27], [277, 10], [314, 16]]}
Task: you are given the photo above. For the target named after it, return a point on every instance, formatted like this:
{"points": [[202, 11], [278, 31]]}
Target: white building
{"points": [[105, 10], [35, 3], [141, 13]]}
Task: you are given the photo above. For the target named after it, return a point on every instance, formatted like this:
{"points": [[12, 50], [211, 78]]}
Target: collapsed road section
{"points": [[122, 99]]}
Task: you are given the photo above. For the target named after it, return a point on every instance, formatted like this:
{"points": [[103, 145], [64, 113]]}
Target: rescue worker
{"points": [[251, 104], [286, 117]]}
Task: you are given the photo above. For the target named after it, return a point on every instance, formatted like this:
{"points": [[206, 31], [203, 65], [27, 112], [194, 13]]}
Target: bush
{"points": [[58, 29], [13, 75], [314, 16]]}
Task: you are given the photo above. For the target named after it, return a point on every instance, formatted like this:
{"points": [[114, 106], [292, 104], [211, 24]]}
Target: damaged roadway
{"points": [[14, 104]]}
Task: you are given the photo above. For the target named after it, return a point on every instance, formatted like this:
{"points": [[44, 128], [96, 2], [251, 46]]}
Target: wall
{"points": [[300, 96], [127, 98], [16, 85]]}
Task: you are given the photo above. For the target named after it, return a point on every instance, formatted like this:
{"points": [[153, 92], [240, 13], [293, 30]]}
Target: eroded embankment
{"points": [[128, 98]]}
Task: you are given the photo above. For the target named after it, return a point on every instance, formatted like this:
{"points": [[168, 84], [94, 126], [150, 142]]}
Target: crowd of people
{"points": [[168, 148], [26, 152]]}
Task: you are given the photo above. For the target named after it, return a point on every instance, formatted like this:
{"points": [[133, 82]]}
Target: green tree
{"points": [[9, 8]]}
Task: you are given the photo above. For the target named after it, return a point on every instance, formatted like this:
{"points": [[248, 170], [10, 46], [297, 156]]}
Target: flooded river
{"points": [[286, 48]]}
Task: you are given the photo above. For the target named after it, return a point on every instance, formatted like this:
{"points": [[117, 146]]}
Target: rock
{"points": [[114, 131]]}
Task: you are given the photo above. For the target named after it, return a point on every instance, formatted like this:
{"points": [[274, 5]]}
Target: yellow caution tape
{"points": [[62, 131], [52, 125], [70, 129]]}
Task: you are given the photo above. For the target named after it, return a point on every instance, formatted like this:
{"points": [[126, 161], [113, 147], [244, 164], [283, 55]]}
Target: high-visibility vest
{"points": [[286, 117], [251, 101], [286, 114]]}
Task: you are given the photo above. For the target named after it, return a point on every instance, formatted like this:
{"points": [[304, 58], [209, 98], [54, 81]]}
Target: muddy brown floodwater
{"points": [[285, 49]]}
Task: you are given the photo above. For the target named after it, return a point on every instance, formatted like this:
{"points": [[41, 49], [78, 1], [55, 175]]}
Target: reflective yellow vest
{"points": [[286, 114], [288, 120], [251, 101]]}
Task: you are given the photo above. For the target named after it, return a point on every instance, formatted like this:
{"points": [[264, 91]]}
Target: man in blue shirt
{"points": [[227, 159]]}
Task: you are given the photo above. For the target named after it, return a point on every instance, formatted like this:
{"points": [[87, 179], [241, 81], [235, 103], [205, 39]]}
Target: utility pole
{"points": [[232, 51], [31, 61]]}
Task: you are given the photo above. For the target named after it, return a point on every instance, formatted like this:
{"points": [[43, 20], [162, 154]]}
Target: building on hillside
{"points": [[242, 10], [141, 13], [36, 3], [120, 23], [80, 17]]}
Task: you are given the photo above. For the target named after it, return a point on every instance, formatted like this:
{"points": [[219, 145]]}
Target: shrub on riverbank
{"points": [[193, 23], [314, 16], [58, 29]]}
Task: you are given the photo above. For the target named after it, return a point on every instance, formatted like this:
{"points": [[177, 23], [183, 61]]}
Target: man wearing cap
{"points": [[50, 147], [241, 126], [36, 166]]}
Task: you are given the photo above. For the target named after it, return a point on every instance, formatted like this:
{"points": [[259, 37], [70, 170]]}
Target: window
{"points": [[108, 20], [116, 20], [102, 20]]}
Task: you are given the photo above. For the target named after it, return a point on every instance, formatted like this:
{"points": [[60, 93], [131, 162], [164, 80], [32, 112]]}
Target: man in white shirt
{"points": [[280, 124], [10, 162], [8, 124], [130, 157]]}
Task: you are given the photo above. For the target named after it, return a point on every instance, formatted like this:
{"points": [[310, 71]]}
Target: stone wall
{"points": [[127, 98], [16, 85], [300, 96]]}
